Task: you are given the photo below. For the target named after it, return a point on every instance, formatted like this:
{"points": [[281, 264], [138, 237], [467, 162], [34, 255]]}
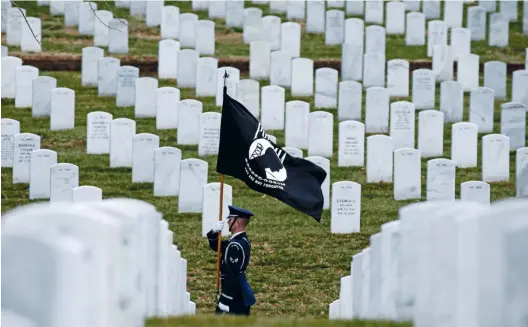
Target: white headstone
{"points": [[520, 87], [395, 18], [296, 131], [15, 19], [167, 100], [509, 9], [103, 18], [146, 93], [10, 128], [193, 176], [280, 68], [453, 13], [521, 172], [437, 35], [5, 6], [291, 38], [272, 27], [398, 78], [325, 186], [350, 101], [354, 7], [87, 193], [295, 10], [443, 62], [294, 152], [248, 94], [495, 78], [460, 42], [513, 124], [122, 131], [189, 112], [407, 174], [205, 36], [320, 134], [495, 158], [335, 27], [118, 36], [253, 27], [326, 88], [351, 143], [211, 206], [231, 83], [475, 191], [259, 60], [39, 173], [354, 31], [440, 180], [63, 178], [87, 17], [24, 143], [153, 13], [90, 56], [4, 51], [273, 98], [499, 31], [217, 9], [167, 171], [489, 6], [62, 115], [431, 9], [451, 101], [31, 38], [278, 6], [346, 208], [206, 70], [24, 76], [464, 138], [415, 29], [187, 30], [431, 133], [144, 145], [235, 14], [302, 77], [402, 119], [98, 132], [377, 110], [468, 71], [481, 108], [352, 61], [209, 134], [476, 23], [379, 159], [423, 88], [315, 16], [375, 39], [374, 12], [373, 70], [186, 72], [126, 86], [170, 22], [107, 68]]}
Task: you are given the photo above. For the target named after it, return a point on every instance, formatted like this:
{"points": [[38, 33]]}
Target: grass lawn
{"points": [[143, 41]]}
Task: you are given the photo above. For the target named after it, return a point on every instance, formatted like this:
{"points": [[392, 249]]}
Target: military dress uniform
{"points": [[236, 296]]}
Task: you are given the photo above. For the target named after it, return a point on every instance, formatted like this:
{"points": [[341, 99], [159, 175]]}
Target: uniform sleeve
{"points": [[212, 237], [235, 257]]}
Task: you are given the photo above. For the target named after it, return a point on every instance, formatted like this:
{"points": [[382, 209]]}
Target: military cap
{"points": [[239, 212]]}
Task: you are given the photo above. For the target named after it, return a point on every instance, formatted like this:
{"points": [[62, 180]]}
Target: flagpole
{"points": [[219, 250]]}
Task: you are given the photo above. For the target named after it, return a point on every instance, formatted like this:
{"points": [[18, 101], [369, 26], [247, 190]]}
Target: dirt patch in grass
{"points": [[69, 41], [229, 37]]}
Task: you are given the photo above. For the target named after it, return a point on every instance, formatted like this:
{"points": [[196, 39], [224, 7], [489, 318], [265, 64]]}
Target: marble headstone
{"points": [[379, 159], [464, 137], [345, 216], [193, 176], [144, 145], [167, 171], [24, 143]]}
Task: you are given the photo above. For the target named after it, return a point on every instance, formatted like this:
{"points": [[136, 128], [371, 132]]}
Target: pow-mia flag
{"points": [[247, 153]]}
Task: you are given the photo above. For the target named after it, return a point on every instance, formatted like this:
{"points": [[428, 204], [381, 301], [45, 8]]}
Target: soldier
{"points": [[237, 296]]}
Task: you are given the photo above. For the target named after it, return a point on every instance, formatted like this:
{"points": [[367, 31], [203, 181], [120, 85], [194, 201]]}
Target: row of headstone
{"points": [[67, 251], [453, 263]]}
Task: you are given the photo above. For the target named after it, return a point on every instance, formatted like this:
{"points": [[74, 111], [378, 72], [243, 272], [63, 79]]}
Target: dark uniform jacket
{"points": [[235, 256]]}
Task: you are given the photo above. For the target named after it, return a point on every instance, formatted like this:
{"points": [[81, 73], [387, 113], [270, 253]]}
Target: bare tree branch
{"points": [[95, 14]]}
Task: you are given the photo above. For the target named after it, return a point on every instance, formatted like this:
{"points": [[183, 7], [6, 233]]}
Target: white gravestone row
{"points": [[495, 78], [326, 80], [118, 36], [170, 22], [31, 36], [126, 237], [351, 144], [167, 171], [431, 265], [122, 132], [398, 78], [146, 97], [520, 87], [209, 141], [345, 216], [41, 161], [280, 68], [296, 124], [452, 101], [320, 134], [248, 94], [126, 86], [24, 76], [167, 102], [402, 120], [407, 174], [144, 145], [193, 177], [206, 77], [315, 16], [513, 124], [62, 109], [98, 132], [273, 103], [377, 110], [231, 83], [350, 99], [107, 69], [10, 128], [495, 158], [374, 70], [9, 67], [379, 159]]}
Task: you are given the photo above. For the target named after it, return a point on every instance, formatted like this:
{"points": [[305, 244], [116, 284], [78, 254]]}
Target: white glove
{"points": [[219, 226]]}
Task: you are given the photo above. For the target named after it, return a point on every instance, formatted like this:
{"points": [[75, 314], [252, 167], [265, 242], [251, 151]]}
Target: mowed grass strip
{"points": [[143, 40], [296, 263]]}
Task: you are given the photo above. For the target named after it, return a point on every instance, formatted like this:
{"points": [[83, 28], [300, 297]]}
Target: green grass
{"points": [[143, 41], [296, 263]]}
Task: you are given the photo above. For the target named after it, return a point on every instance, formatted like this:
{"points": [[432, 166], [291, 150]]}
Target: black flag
{"points": [[247, 153]]}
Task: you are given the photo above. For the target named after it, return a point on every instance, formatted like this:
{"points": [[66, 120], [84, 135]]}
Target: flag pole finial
{"points": [[225, 76]]}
